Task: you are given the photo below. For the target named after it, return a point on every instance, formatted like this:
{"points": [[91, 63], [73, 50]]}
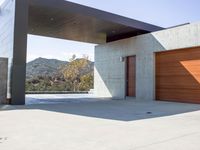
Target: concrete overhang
{"points": [[67, 20]]}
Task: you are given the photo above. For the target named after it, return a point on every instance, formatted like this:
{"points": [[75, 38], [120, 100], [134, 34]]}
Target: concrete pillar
{"points": [[3, 80], [18, 74]]}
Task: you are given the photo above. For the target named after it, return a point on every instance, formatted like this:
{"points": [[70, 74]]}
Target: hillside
{"points": [[43, 67], [55, 75]]}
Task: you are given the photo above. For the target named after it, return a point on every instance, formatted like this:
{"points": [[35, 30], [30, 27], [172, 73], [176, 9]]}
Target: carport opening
{"points": [[58, 70], [66, 20]]}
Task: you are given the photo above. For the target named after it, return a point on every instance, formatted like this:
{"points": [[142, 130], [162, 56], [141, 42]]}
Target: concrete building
{"points": [[166, 66], [133, 58]]}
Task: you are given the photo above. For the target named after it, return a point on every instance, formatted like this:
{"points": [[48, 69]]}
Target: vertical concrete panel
{"points": [[19, 52], [7, 17], [13, 40], [146, 45], [110, 71], [3, 80], [144, 77]]}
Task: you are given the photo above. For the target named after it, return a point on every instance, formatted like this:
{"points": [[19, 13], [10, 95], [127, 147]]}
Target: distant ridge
{"points": [[43, 67]]}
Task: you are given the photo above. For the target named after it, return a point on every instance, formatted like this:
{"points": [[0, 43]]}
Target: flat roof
{"points": [[67, 20]]}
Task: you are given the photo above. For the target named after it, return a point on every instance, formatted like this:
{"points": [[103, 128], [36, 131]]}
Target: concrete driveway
{"points": [[101, 125]]}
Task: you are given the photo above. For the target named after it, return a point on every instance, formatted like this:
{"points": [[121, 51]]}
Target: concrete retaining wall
{"points": [[3, 80], [110, 71]]}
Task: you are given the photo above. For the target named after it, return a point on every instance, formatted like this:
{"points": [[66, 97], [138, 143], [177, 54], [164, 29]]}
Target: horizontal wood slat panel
{"points": [[178, 75]]}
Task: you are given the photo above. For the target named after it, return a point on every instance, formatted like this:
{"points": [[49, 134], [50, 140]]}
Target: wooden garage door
{"points": [[178, 75], [131, 67]]}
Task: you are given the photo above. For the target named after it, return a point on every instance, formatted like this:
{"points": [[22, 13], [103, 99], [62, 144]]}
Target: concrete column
{"points": [[18, 74]]}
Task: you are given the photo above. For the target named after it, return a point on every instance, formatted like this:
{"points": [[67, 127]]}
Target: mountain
{"points": [[55, 75], [43, 67]]}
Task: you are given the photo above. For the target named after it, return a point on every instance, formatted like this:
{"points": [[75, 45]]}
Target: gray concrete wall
{"points": [[110, 72], [7, 15], [3, 80], [13, 41]]}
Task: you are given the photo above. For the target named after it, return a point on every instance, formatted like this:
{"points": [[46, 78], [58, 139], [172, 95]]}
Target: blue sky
{"points": [[163, 13], [56, 48]]}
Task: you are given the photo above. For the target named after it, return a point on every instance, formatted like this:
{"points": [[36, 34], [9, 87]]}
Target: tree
{"points": [[87, 82], [73, 72]]}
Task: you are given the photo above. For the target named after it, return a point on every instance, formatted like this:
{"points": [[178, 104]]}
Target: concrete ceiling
{"points": [[67, 20]]}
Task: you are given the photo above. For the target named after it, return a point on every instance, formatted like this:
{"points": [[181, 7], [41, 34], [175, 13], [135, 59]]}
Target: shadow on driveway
{"points": [[121, 110]]}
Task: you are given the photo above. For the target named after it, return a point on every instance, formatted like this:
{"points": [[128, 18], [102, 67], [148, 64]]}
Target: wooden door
{"points": [[131, 76], [178, 75]]}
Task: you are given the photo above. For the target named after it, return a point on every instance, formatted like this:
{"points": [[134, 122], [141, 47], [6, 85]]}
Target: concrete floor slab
{"points": [[101, 125]]}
